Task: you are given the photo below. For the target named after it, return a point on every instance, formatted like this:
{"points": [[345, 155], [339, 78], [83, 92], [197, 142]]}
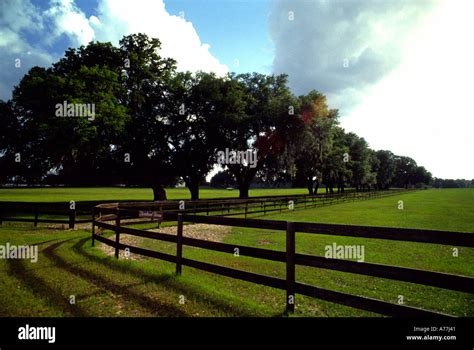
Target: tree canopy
{"points": [[146, 124]]}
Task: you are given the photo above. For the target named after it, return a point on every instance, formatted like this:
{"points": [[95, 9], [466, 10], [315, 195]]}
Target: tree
{"points": [[146, 76], [70, 146], [421, 176], [359, 161], [28, 156], [336, 171], [223, 179], [12, 147], [126, 139], [386, 169], [152, 126], [312, 146], [404, 171], [371, 179], [204, 101], [262, 127]]}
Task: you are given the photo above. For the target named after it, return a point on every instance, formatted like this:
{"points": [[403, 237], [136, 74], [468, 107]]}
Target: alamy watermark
{"points": [[37, 333], [9, 251], [335, 251], [245, 158], [75, 110]]}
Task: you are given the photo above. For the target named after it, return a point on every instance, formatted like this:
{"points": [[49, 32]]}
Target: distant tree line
{"points": [[450, 183], [154, 126]]}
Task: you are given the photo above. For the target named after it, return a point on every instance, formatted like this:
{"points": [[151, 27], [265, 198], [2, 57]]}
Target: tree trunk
{"points": [[244, 190], [316, 187], [309, 184], [330, 184], [159, 193], [193, 187]]}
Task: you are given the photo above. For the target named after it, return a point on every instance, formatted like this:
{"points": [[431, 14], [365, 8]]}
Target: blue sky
{"points": [[235, 29], [400, 72]]}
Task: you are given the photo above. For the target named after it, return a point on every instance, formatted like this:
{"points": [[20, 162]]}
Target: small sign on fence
{"points": [[154, 215]]}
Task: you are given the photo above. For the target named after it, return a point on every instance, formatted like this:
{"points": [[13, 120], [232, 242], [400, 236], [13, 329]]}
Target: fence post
{"points": [[72, 218], [1, 220], [264, 208], [117, 233], [290, 268], [93, 226], [246, 208], [179, 245]]}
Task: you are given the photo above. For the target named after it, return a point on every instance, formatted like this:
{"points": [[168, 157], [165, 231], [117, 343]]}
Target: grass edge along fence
{"points": [[15, 211], [291, 258], [21, 212]]}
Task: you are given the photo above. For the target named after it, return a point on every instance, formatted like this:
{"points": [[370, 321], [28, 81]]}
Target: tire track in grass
{"points": [[156, 307]]}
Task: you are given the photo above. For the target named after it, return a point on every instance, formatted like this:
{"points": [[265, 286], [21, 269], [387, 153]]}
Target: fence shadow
{"points": [[156, 307], [41, 289], [170, 281]]}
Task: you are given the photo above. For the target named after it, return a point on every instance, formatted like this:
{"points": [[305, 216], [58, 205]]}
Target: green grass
{"points": [[104, 286], [447, 209], [67, 194], [439, 210]]}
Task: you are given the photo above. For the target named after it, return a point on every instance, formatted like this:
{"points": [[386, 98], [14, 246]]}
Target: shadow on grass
{"points": [[40, 289], [171, 282], [156, 307]]}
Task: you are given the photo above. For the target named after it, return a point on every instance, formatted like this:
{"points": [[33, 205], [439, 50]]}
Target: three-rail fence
{"points": [[78, 212], [122, 214]]}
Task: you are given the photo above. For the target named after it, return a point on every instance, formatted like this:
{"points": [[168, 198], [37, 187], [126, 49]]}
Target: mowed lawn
{"points": [[103, 286], [66, 194]]}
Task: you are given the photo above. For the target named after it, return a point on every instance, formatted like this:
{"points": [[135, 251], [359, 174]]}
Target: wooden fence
{"points": [[251, 206], [31, 211], [105, 213], [48, 212], [70, 215]]}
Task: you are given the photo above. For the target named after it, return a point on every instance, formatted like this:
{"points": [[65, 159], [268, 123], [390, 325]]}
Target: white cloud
{"points": [[424, 108], [17, 55], [179, 39], [11, 40], [69, 20], [20, 15], [114, 19], [340, 48], [410, 68]]}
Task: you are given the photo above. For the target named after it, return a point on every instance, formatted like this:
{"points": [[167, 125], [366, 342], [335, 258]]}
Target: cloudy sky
{"points": [[400, 72]]}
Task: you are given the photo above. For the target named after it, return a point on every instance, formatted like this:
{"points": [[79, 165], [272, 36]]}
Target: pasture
{"points": [[69, 269], [66, 194]]}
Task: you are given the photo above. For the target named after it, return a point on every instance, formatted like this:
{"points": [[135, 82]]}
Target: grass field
{"points": [[59, 194], [104, 286]]}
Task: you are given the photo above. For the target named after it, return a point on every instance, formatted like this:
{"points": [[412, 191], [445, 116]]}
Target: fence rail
{"points": [[291, 259], [16, 211]]}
